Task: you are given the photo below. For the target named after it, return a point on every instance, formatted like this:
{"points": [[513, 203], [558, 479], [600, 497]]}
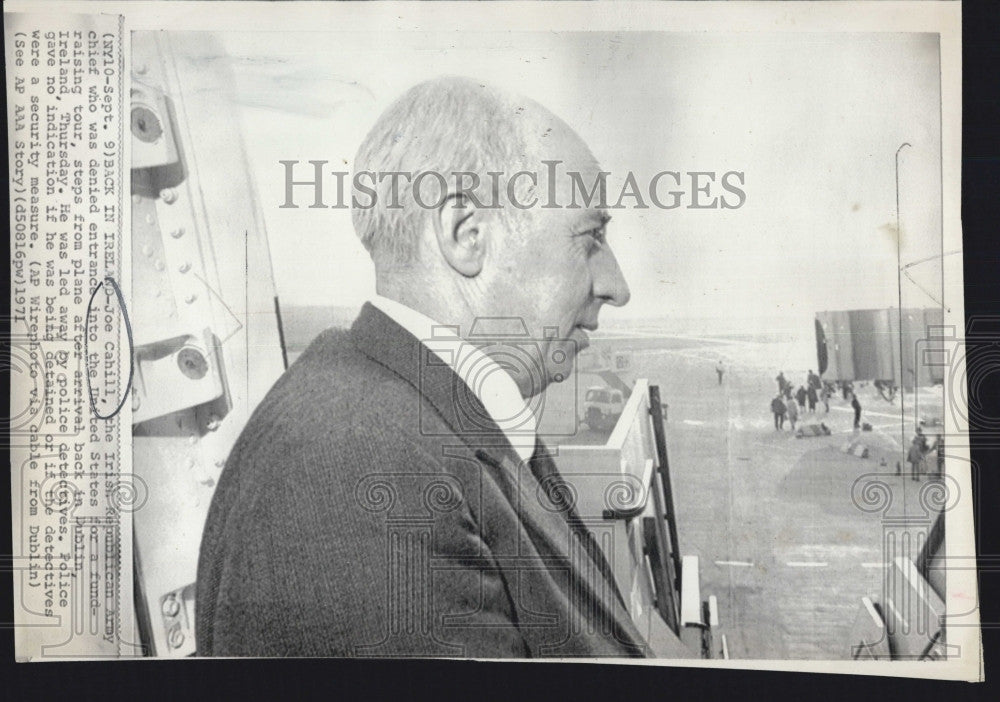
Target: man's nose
{"points": [[609, 282]]}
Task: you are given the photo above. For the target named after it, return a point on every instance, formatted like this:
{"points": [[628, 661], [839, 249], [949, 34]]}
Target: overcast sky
{"points": [[813, 120]]}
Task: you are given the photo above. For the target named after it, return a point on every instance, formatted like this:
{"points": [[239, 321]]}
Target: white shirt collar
{"points": [[492, 384]]}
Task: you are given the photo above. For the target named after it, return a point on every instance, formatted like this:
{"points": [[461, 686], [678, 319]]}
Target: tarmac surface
{"points": [[789, 531]]}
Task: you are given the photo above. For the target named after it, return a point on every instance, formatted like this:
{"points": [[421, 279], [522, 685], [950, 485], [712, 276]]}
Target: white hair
{"points": [[444, 126]]}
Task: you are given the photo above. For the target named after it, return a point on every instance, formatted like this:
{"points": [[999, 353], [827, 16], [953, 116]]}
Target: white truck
{"points": [[602, 406]]}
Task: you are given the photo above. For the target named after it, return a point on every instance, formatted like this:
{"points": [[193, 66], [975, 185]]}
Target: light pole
{"points": [[899, 287]]}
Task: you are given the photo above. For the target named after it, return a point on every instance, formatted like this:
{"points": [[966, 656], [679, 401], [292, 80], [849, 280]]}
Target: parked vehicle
{"points": [[602, 406]]}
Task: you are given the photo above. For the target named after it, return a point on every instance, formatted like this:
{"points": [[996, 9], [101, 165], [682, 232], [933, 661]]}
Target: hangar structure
{"points": [[905, 346]]}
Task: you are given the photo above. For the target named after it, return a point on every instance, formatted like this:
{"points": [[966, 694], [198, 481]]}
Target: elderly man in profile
{"points": [[390, 495]]}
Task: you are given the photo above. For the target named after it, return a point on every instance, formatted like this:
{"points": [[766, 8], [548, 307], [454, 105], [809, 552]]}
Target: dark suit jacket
{"points": [[371, 508]]}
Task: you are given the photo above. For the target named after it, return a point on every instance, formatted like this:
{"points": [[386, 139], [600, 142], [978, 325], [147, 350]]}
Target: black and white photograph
{"points": [[501, 340]]}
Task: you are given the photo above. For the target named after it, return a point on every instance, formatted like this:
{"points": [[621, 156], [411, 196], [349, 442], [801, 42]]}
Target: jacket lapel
{"points": [[539, 500], [544, 506]]}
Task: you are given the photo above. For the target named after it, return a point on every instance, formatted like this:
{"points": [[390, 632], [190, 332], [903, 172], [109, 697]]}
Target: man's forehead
{"points": [[569, 150], [597, 216], [554, 139], [570, 162], [563, 156]]}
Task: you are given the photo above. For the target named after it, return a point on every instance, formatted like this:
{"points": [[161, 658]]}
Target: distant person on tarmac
{"points": [[813, 381], [778, 408], [800, 397], [825, 396], [781, 382], [857, 410], [915, 456], [811, 396], [720, 369], [793, 412]]}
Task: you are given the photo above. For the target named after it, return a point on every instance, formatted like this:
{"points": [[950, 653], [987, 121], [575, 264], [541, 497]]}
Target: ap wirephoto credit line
{"points": [[637, 334]]}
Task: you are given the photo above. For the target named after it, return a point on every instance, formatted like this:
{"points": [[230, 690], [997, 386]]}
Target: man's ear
{"points": [[461, 234]]}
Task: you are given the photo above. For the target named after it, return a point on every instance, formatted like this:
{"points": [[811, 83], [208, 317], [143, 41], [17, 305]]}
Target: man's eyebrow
{"points": [[602, 218], [593, 219], [598, 217]]}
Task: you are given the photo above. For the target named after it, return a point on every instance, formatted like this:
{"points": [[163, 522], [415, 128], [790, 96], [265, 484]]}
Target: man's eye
{"points": [[596, 234]]}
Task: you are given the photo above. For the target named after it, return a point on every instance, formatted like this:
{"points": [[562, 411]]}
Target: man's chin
{"points": [[579, 339]]}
